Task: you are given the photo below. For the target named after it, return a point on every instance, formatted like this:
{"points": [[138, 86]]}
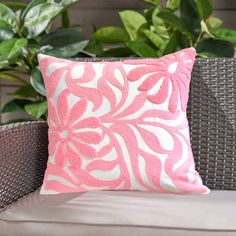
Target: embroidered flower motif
{"points": [[137, 145], [169, 73], [67, 136]]}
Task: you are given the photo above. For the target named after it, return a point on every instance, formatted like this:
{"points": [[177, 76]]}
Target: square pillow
{"points": [[119, 125]]}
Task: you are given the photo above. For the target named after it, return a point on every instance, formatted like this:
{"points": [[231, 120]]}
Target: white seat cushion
{"points": [[116, 213]]}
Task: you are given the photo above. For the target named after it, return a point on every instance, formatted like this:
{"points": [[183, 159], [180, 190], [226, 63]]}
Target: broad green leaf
{"points": [[175, 22], [36, 109], [6, 34], [141, 49], [132, 21], [205, 29], [11, 77], [156, 3], [66, 3], [189, 14], [25, 91], [15, 105], [7, 18], [36, 81], [38, 17], [12, 47], [155, 38], [118, 52], [94, 47], [160, 26], [67, 51], [32, 4], [148, 14], [110, 34], [215, 48], [141, 36], [3, 62], [16, 5], [205, 8], [172, 44], [62, 37], [225, 34], [214, 22], [173, 4]]}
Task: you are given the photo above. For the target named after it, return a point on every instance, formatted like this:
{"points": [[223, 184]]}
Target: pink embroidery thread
{"points": [[120, 125]]}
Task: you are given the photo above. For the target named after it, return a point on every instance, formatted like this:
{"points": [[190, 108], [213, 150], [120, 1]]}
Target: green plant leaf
{"points": [[215, 48], [38, 17], [66, 3], [32, 4], [110, 34], [173, 4], [156, 3], [3, 62], [11, 77], [15, 105], [62, 37], [118, 52], [189, 14], [155, 39], [160, 26], [25, 91], [36, 81], [175, 22], [132, 21], [16, 5], [7, 18], [36, 109], [214, 22], [12, 47], [67, 51], [141, 49], [172, 44], [225, 34], [205, 29], [205, 8], [148, 14], [6, 34], [94, 47]]}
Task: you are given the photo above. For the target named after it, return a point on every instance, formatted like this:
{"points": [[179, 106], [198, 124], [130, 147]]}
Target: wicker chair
{"points": [[212, 119]]}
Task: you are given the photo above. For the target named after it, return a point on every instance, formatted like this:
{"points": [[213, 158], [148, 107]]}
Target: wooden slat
{"points": [[225, 4], [104, 17], [112, 4], [87, 17], [139, 4], [227, 17], [127, 4]]}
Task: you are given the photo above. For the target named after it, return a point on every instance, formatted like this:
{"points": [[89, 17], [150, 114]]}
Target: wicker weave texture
{"points": [[212, 120], [23, 158]]}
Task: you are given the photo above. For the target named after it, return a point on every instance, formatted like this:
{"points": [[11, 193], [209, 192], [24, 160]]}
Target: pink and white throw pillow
{"points": [[119, 125]]}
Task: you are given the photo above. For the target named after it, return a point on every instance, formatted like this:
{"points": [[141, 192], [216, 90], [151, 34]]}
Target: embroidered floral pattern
{"points": [[120, 125], [174, 70]]}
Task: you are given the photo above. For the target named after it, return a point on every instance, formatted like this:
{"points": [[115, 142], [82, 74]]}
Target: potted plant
{"points": [[25, 31], [165, 28]]}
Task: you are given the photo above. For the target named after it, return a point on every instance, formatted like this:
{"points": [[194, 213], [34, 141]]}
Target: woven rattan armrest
{"points": [[23, 158]]}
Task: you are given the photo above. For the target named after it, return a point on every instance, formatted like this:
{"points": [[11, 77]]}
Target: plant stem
{"points": [[65, 20], [198, 39]]}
